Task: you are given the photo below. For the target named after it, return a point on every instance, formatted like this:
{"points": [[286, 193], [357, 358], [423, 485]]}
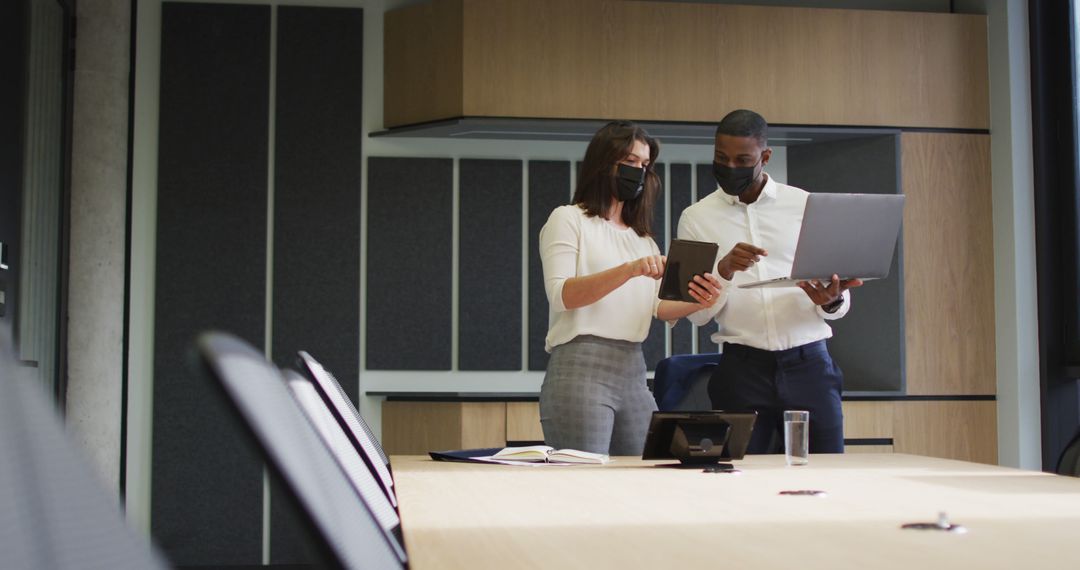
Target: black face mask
{"points": [[629, 182], [734, 181]]}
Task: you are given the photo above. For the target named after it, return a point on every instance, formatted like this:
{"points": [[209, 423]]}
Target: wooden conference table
{"points": [[630, 514]]}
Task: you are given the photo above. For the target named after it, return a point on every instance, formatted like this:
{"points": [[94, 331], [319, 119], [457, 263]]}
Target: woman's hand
{"points": [[705, 289], [648, 266]]}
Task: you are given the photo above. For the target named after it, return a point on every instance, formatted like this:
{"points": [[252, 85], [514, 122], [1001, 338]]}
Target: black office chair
{"points": [[1069, 463], [345, 529], [681, 382], [333, 435], [353, 424], [53, 511]]}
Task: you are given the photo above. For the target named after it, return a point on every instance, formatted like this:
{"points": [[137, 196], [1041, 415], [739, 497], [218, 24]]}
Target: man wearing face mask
{"points": [[601, 275], [773, 339]]}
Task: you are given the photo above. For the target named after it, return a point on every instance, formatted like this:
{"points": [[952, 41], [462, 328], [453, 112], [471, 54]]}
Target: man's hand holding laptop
{"points": [[826, 294]]}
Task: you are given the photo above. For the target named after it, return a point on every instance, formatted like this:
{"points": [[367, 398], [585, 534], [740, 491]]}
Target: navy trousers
{"points": [[800, 378]]}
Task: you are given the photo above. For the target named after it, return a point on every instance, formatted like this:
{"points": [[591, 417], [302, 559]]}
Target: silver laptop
{"points": [[849, 235]]}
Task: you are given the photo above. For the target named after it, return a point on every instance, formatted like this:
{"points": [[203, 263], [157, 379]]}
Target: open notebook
{"points": [[526, 455]]}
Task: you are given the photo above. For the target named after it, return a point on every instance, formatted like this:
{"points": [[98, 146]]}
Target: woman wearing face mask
{"points": [[601, 273]]}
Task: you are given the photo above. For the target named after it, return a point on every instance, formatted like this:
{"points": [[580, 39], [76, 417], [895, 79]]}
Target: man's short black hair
{"points": [[744, 123]]}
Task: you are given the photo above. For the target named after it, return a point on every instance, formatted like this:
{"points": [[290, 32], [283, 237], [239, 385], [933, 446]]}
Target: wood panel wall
{"points": [[964, 430], [694, 62], [948, 264], [422, 62], [949, 429], [420, 427], [959, 429], [684, 62]]}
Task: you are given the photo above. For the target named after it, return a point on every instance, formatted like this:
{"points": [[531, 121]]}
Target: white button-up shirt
{"points": [[769, 318]]}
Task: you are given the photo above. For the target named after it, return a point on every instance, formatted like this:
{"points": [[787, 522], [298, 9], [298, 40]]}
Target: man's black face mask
{"points": [[629, 182], [734, 180]]}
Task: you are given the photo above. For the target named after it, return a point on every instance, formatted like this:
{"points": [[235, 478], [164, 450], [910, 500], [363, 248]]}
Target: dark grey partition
{"points": [[549, 187], [706, 184], [409, 263], [868, 343], [211, 273], [15, 27], [489, 267], [317, 179], [680, 199], [655, 345]]}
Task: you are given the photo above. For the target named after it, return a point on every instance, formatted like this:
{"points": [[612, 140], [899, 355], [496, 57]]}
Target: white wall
{"points": [[1015, 297]]}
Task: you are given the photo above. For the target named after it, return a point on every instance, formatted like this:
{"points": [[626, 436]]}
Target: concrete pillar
{"points": [[99, 166]]}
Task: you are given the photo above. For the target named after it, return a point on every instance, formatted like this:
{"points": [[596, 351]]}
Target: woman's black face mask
{"points": [[734, 180], [629, 182]]}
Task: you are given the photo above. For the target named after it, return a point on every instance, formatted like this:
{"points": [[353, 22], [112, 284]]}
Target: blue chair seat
{"points": [[681, 382]]}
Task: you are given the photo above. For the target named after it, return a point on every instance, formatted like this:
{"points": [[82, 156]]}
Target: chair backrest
{"points": [[353, 424], [53, 511], [347, 532], [681, 382], [1069, 463], [333, 436]]}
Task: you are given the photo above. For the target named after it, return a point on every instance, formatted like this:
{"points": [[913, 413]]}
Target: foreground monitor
{"points": [[698, 438], [346, 531]]}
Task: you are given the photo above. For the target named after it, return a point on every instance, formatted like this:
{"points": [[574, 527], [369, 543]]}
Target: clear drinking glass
{"points": [[797, 437]]}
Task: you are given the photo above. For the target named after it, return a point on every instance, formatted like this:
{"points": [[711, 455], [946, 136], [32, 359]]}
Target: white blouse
{"points": [[573, 244], [765, 317]]}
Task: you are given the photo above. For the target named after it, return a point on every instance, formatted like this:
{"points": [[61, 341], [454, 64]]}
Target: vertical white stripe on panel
{"points": [[455, 264], [524, 265], [268, 335]]}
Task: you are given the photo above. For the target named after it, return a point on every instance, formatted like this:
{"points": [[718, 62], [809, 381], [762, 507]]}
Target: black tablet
{"points": [[685, 259], [699, 437]]}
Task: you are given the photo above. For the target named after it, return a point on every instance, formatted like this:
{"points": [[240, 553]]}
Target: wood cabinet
{"points": [[948, 264], [667, 61], [411, 427], [951, 429]]}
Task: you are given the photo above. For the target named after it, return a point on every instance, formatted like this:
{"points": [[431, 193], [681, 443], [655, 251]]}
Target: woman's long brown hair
{"points": [[597, 178]]}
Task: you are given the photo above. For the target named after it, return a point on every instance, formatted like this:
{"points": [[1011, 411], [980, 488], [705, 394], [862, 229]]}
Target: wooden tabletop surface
{"points": [[635, 514]]}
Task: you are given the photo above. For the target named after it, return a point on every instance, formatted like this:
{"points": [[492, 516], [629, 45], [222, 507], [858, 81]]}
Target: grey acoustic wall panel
{"points": [[409, 263], [210, 274], [655, 345], [489, 274], [549, 187], [317, 179], [706, 184], [659, 219], [680, 198], [868, 343]]}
